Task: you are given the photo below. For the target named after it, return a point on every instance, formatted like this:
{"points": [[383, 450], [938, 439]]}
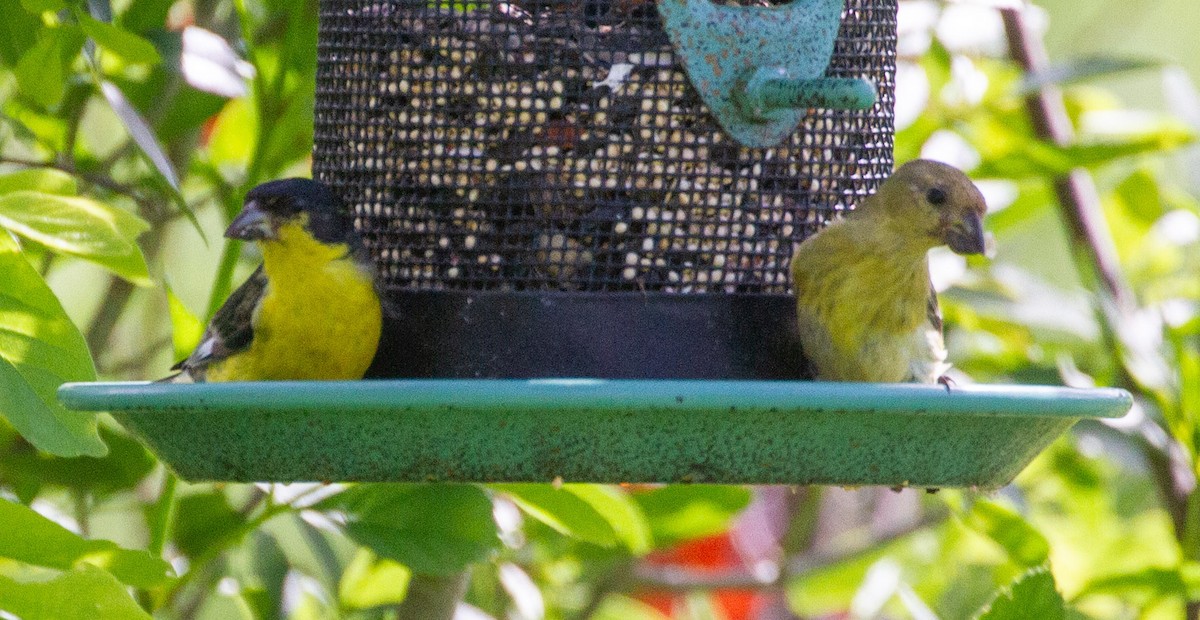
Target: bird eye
{"points": [[936, 197]]}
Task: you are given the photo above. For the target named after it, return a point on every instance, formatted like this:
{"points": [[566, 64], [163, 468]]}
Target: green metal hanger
{"points": [[759, 69]]}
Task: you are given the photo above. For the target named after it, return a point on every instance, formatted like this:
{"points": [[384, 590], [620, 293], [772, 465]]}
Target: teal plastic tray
{"points": [[584, 430]]}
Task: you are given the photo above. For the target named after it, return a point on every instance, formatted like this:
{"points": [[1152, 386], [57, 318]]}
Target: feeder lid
{"points": [[591, 430]]}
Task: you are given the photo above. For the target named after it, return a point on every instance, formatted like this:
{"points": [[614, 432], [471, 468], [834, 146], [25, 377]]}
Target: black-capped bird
{"points": [[310, 311], [867, 310]]}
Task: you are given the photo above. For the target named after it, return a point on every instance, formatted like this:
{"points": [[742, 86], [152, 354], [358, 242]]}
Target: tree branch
{"points": [[1076, 191], [99, 180], [1079, 204]]}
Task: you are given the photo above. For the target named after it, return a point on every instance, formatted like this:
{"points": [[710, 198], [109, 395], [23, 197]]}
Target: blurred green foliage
{"points": [[117, 166]]}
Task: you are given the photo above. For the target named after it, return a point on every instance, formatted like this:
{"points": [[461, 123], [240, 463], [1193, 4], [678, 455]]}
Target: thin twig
{"points": [[99, 180], [681, 579], [115, 297], [137, 360], [1076, 191]]}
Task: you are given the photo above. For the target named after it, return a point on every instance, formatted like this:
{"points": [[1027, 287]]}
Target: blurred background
{"points": [[147, 120]]}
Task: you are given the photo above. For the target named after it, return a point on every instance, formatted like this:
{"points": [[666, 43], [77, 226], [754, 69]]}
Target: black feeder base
{"points": [[510, 335]]}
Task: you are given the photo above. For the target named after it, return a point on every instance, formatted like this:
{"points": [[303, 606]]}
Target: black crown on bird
{"points": [[274, 203]]}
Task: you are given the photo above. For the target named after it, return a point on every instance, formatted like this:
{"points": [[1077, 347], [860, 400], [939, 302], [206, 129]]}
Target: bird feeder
{"points": [[608, 189]]}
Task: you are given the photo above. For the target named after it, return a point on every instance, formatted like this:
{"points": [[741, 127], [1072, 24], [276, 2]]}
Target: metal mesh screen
{"points": [[557, 145]]}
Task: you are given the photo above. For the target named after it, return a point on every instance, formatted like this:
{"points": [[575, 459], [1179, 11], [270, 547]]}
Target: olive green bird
{"points": [[310, 311], [865, 305]]}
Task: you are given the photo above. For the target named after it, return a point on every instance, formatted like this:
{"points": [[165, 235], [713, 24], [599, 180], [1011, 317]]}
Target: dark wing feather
{"points": [[231, 329], [933, 311]]}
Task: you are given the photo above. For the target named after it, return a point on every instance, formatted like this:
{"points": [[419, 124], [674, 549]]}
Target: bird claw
{"points": [[946, 381]]}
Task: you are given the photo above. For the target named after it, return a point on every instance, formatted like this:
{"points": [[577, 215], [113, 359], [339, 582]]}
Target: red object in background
{"points": [[711, 553], [706, 555], [206, 130]]}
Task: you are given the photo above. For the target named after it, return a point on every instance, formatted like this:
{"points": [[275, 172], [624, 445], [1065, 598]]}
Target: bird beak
{"points": [[252, 224], [966, 235]]}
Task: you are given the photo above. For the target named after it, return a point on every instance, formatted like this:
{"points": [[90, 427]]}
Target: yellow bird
{"points": [[310, 311], [865, 305]]}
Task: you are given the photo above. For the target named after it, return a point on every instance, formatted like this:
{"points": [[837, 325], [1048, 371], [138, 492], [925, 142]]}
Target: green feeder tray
{"points": [[590, 430]]}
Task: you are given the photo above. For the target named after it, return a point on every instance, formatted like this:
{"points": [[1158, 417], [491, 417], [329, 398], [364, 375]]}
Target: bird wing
{"points": [[231, 329], [933, 311], [927, 361]]}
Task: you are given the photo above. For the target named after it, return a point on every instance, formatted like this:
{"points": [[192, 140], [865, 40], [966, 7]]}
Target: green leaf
{"points": [[126, 464], [129, 46], [18, 31], [203, 520], [233, 133], [1163, 136], [620, 511], [80, 227], [40, 348], [186, 114], [186, 328], [1024, 544], [84, 594], [33, 539], [291, 139], [263, 576], [317, 552], [145, 15], [562, 510], [45, 427], [1152, 582], [436, 529], [41, 6], [142, 135], [684, 512], [43, 69], [372, 582], [45, 180], [219, 606], [1033, 595], [1141, 196], [40, 74]]}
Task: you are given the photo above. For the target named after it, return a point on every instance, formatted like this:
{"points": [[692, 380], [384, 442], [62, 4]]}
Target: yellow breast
{"points": [[319, 318], [857, 309]]}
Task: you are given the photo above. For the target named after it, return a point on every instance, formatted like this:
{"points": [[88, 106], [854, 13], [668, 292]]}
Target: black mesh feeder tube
{"points": [[608, 190], [547, 195]]}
